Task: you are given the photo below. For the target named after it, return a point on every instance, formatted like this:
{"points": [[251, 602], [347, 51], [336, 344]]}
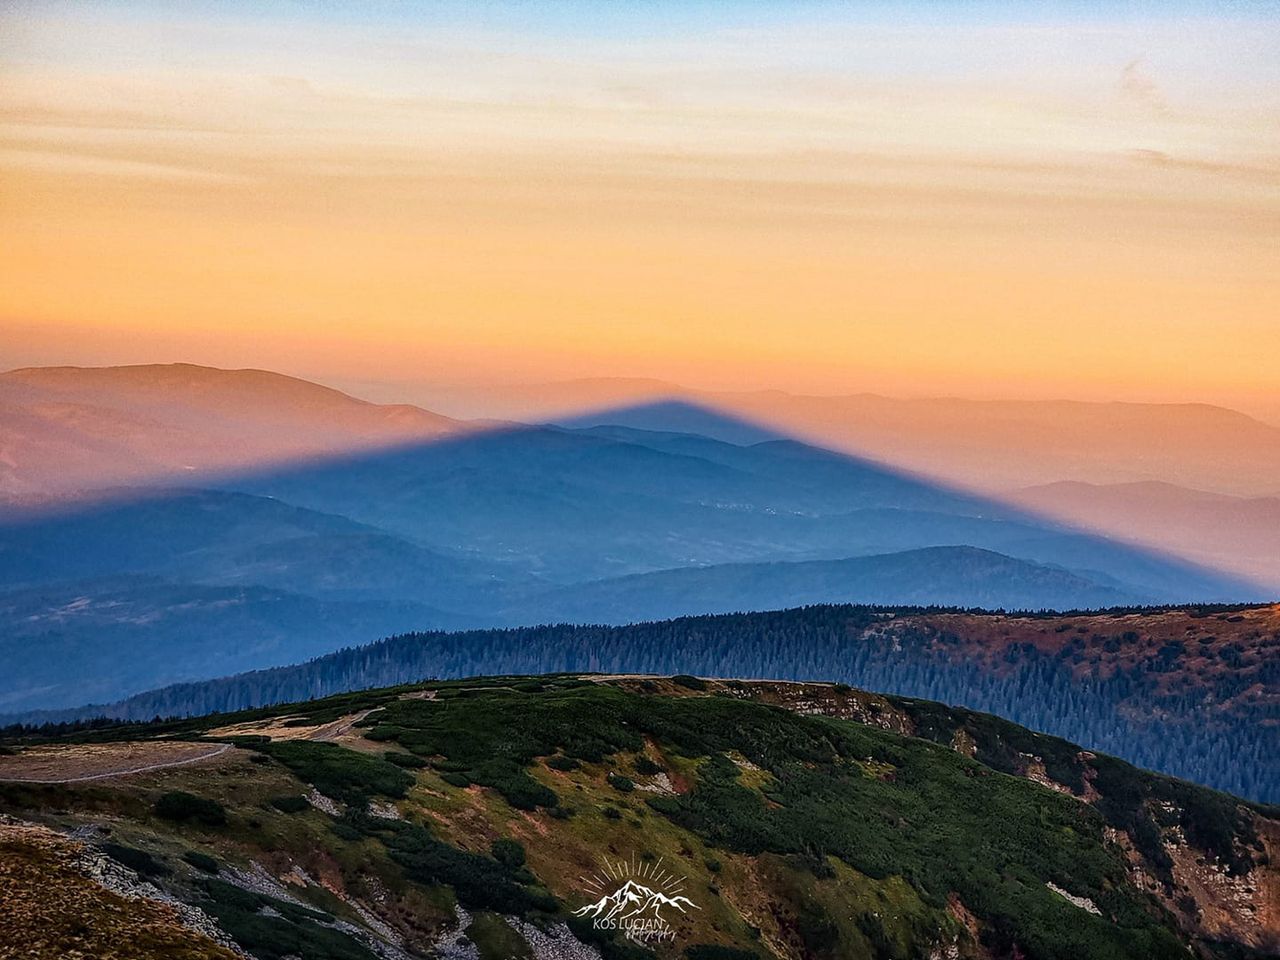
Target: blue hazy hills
{"points": [[612, 521]]}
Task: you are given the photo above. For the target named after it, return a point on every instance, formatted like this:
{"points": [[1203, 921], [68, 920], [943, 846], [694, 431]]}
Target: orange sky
{"points": [[1082, 208]]}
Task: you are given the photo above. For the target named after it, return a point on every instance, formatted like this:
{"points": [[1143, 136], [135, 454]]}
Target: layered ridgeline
{"points": [[1192, 692], [117, 591], [625, 819]]}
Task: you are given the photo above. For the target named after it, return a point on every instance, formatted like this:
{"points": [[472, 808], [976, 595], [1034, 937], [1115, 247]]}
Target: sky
{"points": [[991, 200]]}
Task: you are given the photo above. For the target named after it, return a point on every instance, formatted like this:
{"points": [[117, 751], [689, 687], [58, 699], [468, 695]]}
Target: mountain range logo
{"points": [[637, 900]]}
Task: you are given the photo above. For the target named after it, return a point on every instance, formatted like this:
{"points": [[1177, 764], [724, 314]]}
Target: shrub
{"points": [[201, 861], [345, 831], [562, 763], [139, 861], [688, 682], [612, 813], [477, 881], [509, 853], [620, 783], [290, 804], [338, 772], [181, 807], [646, 766], [289, 930], [408, 760], [456, 779]]}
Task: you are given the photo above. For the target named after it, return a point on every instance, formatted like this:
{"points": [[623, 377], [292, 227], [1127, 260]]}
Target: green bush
{"points": [[646, 766], [182, 807], [345, 831], [456, 779], [509, 853], [562, 763], [341, 773], [479, 882], [291, 804], [288, 931], [408, 760], [620, 783], [201, 861], [139, 861], [688, 682]]}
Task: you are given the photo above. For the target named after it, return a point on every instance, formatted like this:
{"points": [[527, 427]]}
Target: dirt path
{"points": [[340, 727], [218, 751]]}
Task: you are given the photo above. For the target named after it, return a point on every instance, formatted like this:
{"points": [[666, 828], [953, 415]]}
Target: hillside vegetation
{"points": [[1186, 691], [807, 820]]}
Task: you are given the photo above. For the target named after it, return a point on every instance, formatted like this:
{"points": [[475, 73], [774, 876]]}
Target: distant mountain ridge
{"points": [[987, 445], [467, 526], [69, 429], [945, 576], [1237, 534]]}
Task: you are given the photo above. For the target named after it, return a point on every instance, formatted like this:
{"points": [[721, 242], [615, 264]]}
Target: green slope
{"points": [[807, 820]]}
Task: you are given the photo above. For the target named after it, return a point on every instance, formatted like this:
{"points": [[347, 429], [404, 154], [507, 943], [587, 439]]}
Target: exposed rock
{"points": [[1084, 903], [452, 944], [384, 809], [658, 783], [554, 943], [324, 804]]}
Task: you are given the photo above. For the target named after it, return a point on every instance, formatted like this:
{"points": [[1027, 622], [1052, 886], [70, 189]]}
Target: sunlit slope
{"points": [[808, 821]]}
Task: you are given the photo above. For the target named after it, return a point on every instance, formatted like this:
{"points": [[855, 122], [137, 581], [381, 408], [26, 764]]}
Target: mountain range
{"points": [[239, 519], [989, 445]]}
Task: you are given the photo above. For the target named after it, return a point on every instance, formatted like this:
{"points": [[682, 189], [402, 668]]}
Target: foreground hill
{"points": [[1189, 691], [625, 818]]}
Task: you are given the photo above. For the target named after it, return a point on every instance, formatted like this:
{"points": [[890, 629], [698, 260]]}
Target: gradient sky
{"points": [[1075, 199]]}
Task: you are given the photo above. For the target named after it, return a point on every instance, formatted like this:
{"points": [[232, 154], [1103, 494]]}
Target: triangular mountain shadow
{"points": [[257, 568], [676, 416]]}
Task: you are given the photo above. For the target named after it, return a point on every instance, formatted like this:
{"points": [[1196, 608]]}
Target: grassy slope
{"points": [[800, 835]]}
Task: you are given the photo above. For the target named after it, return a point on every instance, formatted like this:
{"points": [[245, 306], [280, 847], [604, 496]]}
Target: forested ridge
{"points": [[1126, 692]]}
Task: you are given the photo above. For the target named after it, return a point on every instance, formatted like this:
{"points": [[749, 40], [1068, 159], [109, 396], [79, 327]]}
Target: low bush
{"points": [[509, 853], [201, 861], [290, 804], [139, 861], [408, 760], [182, 807], [688, 682], [620, 783], [341, 773]]}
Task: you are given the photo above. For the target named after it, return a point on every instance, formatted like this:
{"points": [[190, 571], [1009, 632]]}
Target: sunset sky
{"points": [[1067, 200]]}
